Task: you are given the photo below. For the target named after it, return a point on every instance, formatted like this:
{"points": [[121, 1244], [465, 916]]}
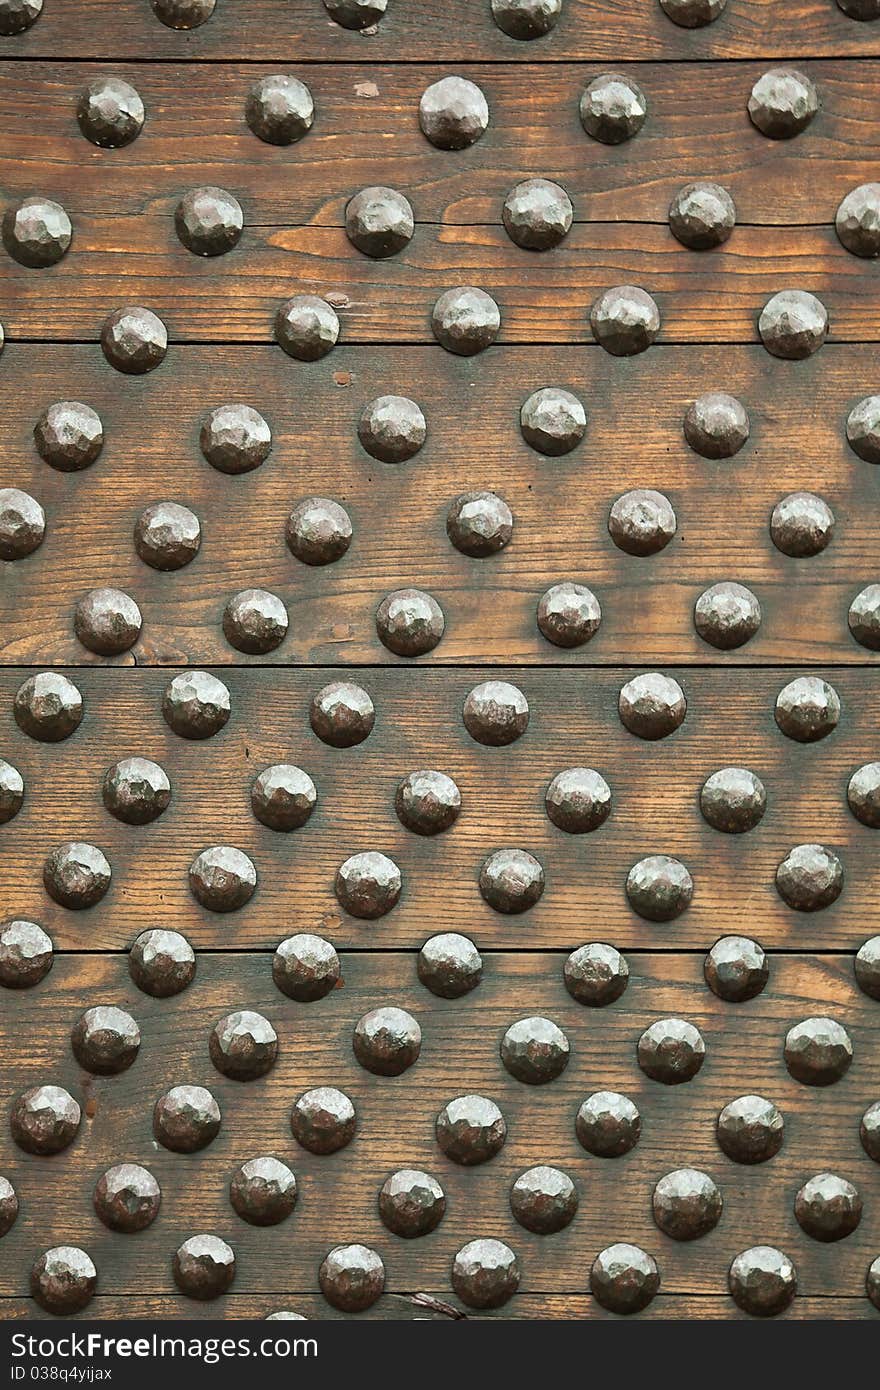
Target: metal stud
{"points": [[11, 791], [608, 1124], [537, 214], [869, 1133], [8, 1206], [167, 536], [866, 966], [305, 967], [318, 531], [105, 1040], [595, 974], [387, 1041], [864, 617], [693, 14], [716, 425], [69, 436], [392, 429], [793, 324], [872, 1278], [243, 1045], [48, 707], [624, 1278], [727, 615], [544, 1200], [535, 1051], [807, 709], [368, 885], [279, 109], [134, 340], [186, 1119], [76, 875], [858, 220], [183, 14], [659, 888], [283, 797], [828, 1207], [107, 621], [496, 713], [110, 112], [203, 1267], [263, 1191], [235, 438], [351, 1277], [379, 222], [642, 522], [652, 706], [526, 19], [196, 704], [63, 1279], [782, 103], [736, 968], [863, 429], [409, 622], [801, 524], [750, 1130], [733, 800], [511, 880], [161, 962], [470, 1130], [44, 1120], [860, 9], [22, 524], [427, 802], [863, 794], [612, 108], [356, 14], [485, 1273], [25, 953], [553, 421], [762, 1281], [37, 232], [818, 1051], [578, 800], [479, 524], [323, 1120], [411, 1203], [686, 1204], [569, 615], [810, 877], [449, 965], [702, 216], [18, 15], [342, 714], [255, 622], [222, 878], [306, 327], [453, 113], [671, 1051], [127, 1198], [625, 320], [208, 221], [465, 320]]}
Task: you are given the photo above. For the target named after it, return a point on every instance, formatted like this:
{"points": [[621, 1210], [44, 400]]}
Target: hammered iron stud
{"points": [[651, 706], [470, 1130], [409, 622], [107, 621], [716, 425], [427, 802], [866, 966], [449, 965], [127, 1198], [411, 1203], [392, 429], [578, 800], [727, 615], [864, 617], [356, 14], [479, 524], [612, 108], [105, 1040], [110, 112], [37, 232], [222, 878], [485, 1273], [63, 1279], [624, 1278], [625, 320], [22, 524], [858, 220], [828, 1207], [342, 714], [318, 531], [183, 14], [453, 113], [860, 9], [11, 791], [736, 968], [807, 709], [323, 1120], [782, 103], [537, 214], [544, 1200], [465, 320], [379, 222], [693, 14], [671, 1051], [801, 524], [162, 963], [203, 1267], [608, 1124], [659, 888], [196, 704], [8, 1206], [387, 1041], [535, 1051], [263, 1191], [167, 536], [352, 1277], [283, 797], [686, 1204], [869, 1132], [810, 877], [255, 622], [553, 421], [25, 954], [642, 522], [134, 340], [496, 713], [595, 974], [762, 1281], [863, 794], [208, 221], [136, 790], [863, 429], [526, 19], [44, 1120], [18, 15], [69, 436], [568, 615], [186, 1119], [279, 109], [793, 324], [305, 967], [235, 438], [76, 875], [48, 707], [818, 1051], [733, 800], [368, 884], [750, 1130], [243, 1045], [306, 327], [511, 880], [702, 216]]}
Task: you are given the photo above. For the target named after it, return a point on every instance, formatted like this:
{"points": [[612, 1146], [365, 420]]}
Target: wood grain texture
{"points": [[634, 439], [366, 131]]}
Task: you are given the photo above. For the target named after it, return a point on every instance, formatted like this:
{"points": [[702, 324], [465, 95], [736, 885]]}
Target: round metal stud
{"points": [[652, 706], [183, 14], [11, 791], [48, 707], [411, 1203], [818, 1051], [387, 1041], [807, 709], [318, 531], [863, 794], [285, 1316], [379, 222], [356, 14], [608, 1124], [872, 1278], [537, 214], [69, 436], [110, 112], [235, 438], [196, 704], [736, 968], [625, 320], [8, 1206], [686, 1204], [255, 622], [727, 615], [866, 966], [161, 963], [624, 1278], [595, 974], [279, 109], [612, 108], [465, 320], [323, 1120], [127, 1198], [569, 615], [167, 536], [22, 524], [449, 965], [44, 1120], [659, 888], [526, 19], [409, 622], [306, 327], [186, 1119], [453, 113], [762, 1281], [342, 714], [479, 524], [578, 800], [470, 1130], [642, 522], [134, 340], [863, 429], [107, 621], [511, 880], [858, 220], [864, 617], [263, 1191], [750, 1129], [801, 524], [427, 802], [553, 421], [63, 1279], [810, 877], [782, 103], [18, 15], [105, 1040], [243, 1045], [860, 9], [496, 713], [702, 216], [352, 1277], [283, 797], [305, 967], [828, 1208], [716, 425], [693, 14], [544, 1200], [535, 1051], [733, 799], [76, 875], [392, 429], [793, 324], [368, 885], [208, 221], [671, 1051], [37, 232], [222, 878], [869, 1133], [485, 1273], [203, 1267], [25, 954]]}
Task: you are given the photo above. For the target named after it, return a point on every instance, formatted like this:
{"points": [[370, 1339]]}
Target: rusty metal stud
{"points": [[305, 967], [537, 214], [553, 421], [323, 1120], [810, 877], [702, 216], [470, 1130], [368, 885], [25, 953], [733, 799], [44, 1120], [11, 791], [183, 14], [379, 222], [318, 531], [869, 1133], [750, 1129], [671, 1051], [279, 109], [69, 436], [872, 1278], [167, 536], [283, 797], [453, 113], [8, 1206], [409, 622], [624, 1278], [535, 1051], [860, 9], [608, 1124], [807, 709], [863, 429], [625, 320], [727, 615], [864, 617], [263, 1191], [208, 221], [479, 524], [511, 880], [285, 1316], [427, 802], [485, 1273], [196, 704], [48, 707], [342, 714], [161, 963], [866, 966], [595, 974], [107, 621], [306, 327], [578, 800], [352, 1277], [392, 429], [356, 14], [76, 875], [222, 878], [449, 965], [736, 968], [127, 1198], [659, 888], [255, 622], [105, 1040], [793, 324], [526, 19], [858, 220], [235, 438], [568, 614], [863, 794], [203, 1267], [22, 524], [693, 14], [801, 524], [828, 1208], [612, 108], [411, 1203], [186, 1119], [544, 1200], [762, 1281], [496, 713], [651, 706], [782, 103], [134, 340], [642, 522], [686, 1204], [716, 425], [18, 15], [465, 320], [63, 1279], [110, 112], [37, 232], [387, 1041], [818, 1051]]}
